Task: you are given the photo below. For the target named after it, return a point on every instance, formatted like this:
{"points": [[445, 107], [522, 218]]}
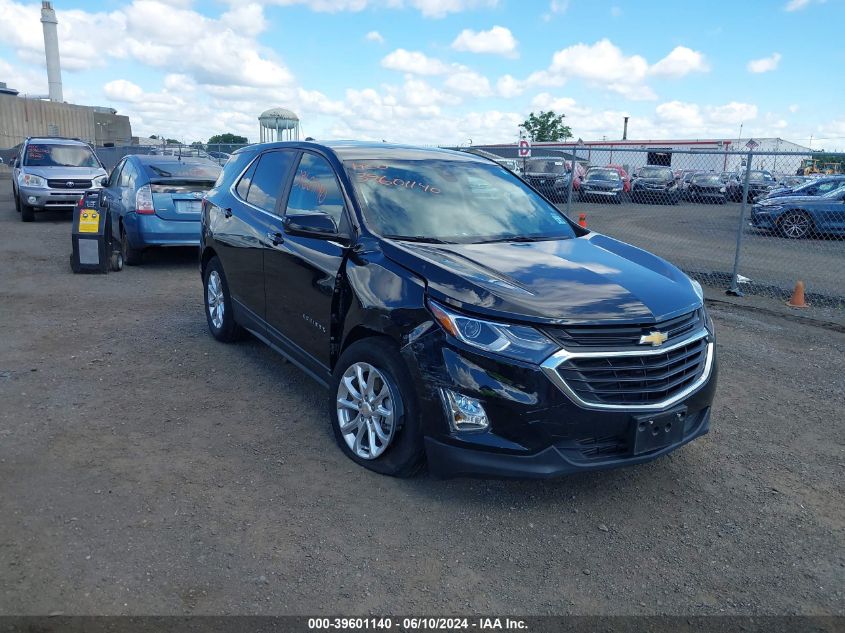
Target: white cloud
{"points": [[509, 87], [681, 61], [797, 5], [470, 83], [764, 65], [498, 40], [556, 7], [374, 36], [429, 8], [604, 65], [691, 119], [794, 108], [414, 62]]}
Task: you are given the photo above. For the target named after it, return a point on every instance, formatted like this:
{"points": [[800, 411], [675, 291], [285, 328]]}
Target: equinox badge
{"points": [[655, 338]]}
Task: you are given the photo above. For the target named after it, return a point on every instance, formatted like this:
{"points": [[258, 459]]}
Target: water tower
{"points": [[278, 124]]}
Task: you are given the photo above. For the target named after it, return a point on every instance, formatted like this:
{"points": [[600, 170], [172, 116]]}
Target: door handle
{"points": [[275, 237]]}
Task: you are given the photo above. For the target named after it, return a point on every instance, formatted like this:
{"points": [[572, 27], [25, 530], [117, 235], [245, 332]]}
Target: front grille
{"points": [[63, 184], [645, 379], [615, 336]]}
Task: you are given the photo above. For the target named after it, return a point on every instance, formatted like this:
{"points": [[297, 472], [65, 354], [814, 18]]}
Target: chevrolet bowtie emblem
{"points": [[656, 339]]}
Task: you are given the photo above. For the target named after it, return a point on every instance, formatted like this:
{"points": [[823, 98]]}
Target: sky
{"points": [[447, 71]]}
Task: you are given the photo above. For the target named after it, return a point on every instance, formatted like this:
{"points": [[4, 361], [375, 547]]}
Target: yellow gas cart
{"points": [[91, 238]]}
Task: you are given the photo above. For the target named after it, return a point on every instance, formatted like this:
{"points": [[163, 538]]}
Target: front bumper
{"points": [[763, 220], [535, 429], [42, 198]]}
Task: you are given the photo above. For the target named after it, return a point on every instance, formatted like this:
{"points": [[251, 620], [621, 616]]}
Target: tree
{"points": [[547, 126], [228, 139], [227, 142], [198, 145]]}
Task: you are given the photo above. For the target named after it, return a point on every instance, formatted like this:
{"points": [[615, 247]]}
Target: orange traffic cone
{"points": [[582, 220], [797, 299]]}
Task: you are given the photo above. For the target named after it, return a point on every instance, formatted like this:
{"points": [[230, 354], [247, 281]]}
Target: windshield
{"points": [[183, 170], [656, 172], [704, 179], [451, 201], [546, 166], [44, 155], [603, 174], [760, 176]]}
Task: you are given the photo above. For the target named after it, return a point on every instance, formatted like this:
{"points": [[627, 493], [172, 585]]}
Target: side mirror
{"points": [[320, 225]]}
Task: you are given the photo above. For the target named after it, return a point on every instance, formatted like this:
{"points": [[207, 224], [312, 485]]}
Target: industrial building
{"points": [[701, 154], [49, 115]]}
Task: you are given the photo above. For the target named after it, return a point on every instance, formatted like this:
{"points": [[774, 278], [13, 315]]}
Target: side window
{"points": [[826, 186], [243, 183], [127, 175], [272, 170], [315, 189], [114, 177]]}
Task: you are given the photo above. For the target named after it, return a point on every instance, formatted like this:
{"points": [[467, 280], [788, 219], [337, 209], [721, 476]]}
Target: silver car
{"points": [[53, 173]]}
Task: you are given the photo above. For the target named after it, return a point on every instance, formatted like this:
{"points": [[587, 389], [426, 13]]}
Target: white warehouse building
{"points": [[715, 155]]}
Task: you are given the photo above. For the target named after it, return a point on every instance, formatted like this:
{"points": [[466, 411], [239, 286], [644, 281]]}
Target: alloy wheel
{"points": [[365, 410], [795, 225], [215, 300]]}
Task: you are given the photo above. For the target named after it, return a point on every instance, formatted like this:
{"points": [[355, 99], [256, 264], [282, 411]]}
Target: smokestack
{"points": [[51, 48], [625, 130]]}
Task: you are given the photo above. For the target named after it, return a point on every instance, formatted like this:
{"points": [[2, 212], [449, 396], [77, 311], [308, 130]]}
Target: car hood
{"points": [[653, 181], [779, 200], [66, 173], [589, 279], [542, 174]]}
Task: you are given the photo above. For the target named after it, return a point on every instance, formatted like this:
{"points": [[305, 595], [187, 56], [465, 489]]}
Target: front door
{"points": [[300, 273]]}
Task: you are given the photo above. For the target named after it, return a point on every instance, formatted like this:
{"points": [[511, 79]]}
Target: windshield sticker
{"points": [[310, 183], [398, 183]]}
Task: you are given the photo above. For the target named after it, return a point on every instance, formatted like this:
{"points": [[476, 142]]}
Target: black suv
{"points": [[456, 316]]}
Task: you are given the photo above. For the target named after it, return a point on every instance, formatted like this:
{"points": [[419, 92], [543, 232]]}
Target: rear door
{"points": [[300, 273], [241, 235]]}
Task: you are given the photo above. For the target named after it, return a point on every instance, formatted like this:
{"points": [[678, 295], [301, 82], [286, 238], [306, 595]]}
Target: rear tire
{"points": [[131, 256], [399, 449], [218, 304]]}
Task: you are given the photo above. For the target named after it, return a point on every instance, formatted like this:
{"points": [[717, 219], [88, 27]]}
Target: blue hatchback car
{"points": [[801, 216], [157, 201]]}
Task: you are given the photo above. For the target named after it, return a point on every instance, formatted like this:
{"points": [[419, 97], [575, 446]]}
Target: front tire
{"points": [[795, 225], [374, 413], [218, 304], [26, 211]]}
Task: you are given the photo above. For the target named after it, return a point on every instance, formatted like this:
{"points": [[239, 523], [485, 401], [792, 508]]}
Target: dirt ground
{"points": [[147, 469]]}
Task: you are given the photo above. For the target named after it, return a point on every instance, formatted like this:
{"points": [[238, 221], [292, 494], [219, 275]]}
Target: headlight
{"points": [[31, 180], [722, 190], [698, 289], [98, 181], [560, 181], [515, 341]]}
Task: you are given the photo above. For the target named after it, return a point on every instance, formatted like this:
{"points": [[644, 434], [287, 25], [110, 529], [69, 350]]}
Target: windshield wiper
{"points": [[417, 238]]}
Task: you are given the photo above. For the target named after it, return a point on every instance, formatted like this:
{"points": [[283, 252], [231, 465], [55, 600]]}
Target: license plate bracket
{"points": [[659, 430]]}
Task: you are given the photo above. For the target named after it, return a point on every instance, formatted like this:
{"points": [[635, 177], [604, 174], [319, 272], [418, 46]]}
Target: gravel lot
{"points": [[147, 469]]}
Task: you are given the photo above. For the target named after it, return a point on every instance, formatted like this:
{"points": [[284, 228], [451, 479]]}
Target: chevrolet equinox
{"points": [[456, 317]]}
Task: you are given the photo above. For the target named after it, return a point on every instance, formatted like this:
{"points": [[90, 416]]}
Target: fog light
{"points": [[464, 413], [32, 200]]}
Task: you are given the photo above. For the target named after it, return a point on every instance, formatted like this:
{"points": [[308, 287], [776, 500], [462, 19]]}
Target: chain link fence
{"points": [[752, 223]]}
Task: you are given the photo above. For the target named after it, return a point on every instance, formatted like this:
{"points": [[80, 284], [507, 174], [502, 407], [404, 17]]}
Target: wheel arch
{"points": [[207, 254]]}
